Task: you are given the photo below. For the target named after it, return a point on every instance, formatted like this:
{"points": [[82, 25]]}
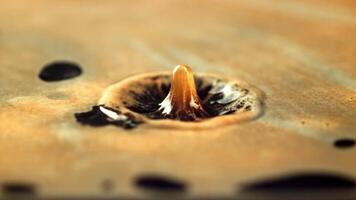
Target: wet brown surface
{"points": [[301, 54]]}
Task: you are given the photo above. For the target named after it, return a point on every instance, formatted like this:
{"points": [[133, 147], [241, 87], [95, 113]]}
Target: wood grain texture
{"points": [[301, 54]]}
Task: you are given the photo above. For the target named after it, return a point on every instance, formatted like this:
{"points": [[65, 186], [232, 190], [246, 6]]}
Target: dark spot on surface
{"points": [[108, 185], [303, 181], [344, 143], [160, 183], [93, 117], [97, 118], [60, 70], [18, 189]]}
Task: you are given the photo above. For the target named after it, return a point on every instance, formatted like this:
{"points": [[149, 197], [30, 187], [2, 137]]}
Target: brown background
{"points": [[301, 54]]}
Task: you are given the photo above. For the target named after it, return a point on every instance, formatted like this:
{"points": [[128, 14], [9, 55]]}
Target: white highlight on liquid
{"points": [[166, 105], [193, 104], [229, 94], [113, 115]]}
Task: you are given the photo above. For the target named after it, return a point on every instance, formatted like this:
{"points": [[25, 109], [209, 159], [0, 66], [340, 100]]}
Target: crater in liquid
{"points": [[218, 97], [225, 101]]}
